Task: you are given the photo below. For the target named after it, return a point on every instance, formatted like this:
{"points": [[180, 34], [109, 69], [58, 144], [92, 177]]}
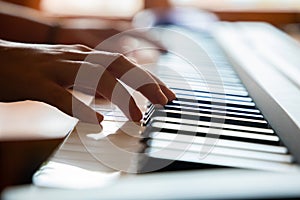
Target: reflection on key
{"points": [[221, 142], [196, 130], [212, 124]]}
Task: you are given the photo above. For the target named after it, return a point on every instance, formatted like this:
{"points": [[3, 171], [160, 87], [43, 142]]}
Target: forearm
{"points": [[23, 24]]}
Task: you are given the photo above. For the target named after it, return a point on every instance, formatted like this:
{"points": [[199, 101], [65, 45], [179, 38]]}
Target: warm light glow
{"points": [[111, 8], [60, 175], [241, 4]]}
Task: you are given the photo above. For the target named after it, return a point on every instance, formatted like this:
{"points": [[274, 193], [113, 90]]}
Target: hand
{"points": [[89, 32], [92, 32], [42, 72]]}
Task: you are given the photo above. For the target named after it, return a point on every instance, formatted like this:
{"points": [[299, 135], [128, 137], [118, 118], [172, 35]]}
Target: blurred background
{"points": [[281, 13]]}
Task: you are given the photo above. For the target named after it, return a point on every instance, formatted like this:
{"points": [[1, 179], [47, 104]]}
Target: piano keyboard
{"points": [[240, 135]]}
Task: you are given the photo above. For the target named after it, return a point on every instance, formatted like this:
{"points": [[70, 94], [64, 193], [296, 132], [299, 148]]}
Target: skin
{"points": [[43, 72], [20, 21]]}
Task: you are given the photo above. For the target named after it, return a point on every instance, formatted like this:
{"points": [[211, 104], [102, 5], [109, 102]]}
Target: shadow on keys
{"points": [[93, 156]]}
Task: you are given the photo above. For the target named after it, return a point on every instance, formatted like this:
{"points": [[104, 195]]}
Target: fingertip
{"points": [[168, 93], [136, 116], [135, 113], [162, 98], [99, 117], [139, 116]]}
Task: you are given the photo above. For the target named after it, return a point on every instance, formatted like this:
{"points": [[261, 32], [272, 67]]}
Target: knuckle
{"points": [[119, 56], [82, 47]]}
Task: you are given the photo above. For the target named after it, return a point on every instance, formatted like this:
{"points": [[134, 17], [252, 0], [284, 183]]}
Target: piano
{"points": [[234, 127], [230, 108]]}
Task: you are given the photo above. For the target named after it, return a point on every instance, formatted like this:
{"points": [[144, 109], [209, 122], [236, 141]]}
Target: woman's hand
{"points": [[43, 72]]}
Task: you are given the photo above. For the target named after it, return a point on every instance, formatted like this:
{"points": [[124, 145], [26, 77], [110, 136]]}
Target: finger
{"points": [[169, 94], [60, 98], [73, 47], [65, 73], [92, 79], [114, 91], [135, 77], [119, 65], [94, 56]]}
